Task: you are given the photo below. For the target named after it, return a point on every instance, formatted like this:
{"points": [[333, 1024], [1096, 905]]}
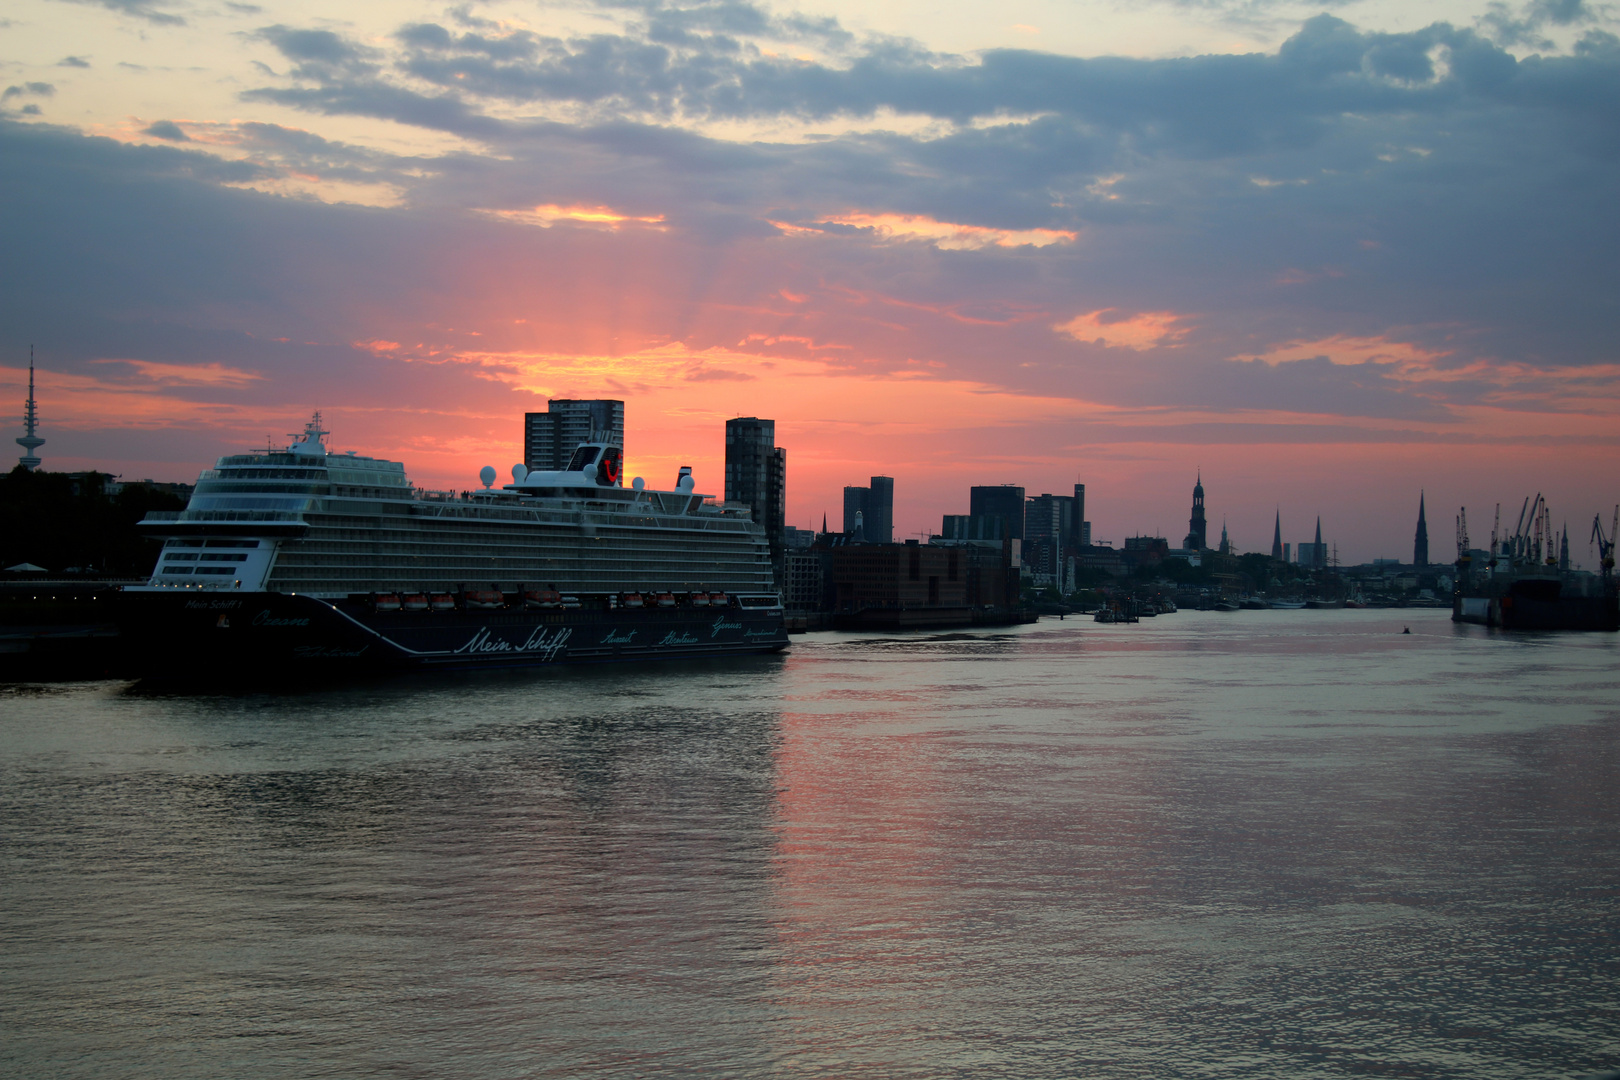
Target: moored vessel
{"points": [[1523, 583], [306, 559]]}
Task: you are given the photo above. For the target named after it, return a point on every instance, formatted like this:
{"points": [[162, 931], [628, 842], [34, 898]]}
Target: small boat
{"points": [[414, 602], [631, 600], [1288, 605], [666, 599], [1253, 603], [542, 598], [1324, 605], [698, 599], [1227, 605], [384, 602], [483, 599], [719, 599], [441, 601]]}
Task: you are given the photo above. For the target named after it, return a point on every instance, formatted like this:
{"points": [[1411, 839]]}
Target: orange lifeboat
{"points": [[666, 599], [483, 599], [384, 602], [542, 598], [441, 601], [414, 602], [699, 599], [719, 599], [631, 600]]}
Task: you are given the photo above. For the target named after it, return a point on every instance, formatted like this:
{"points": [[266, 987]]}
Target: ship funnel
{"points": [[684, 482]]}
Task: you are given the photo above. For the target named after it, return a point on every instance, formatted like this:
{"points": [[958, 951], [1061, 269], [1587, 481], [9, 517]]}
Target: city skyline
{"points": [[1329, 260]]}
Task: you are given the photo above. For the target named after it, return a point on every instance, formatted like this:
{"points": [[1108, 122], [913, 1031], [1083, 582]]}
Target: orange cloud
{"points": [[947, 235], [550, 214], [189, 374], [1116, 330], [1346, 350]]}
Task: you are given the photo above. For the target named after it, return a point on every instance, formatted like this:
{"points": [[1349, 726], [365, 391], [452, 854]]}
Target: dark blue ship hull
{"points": [[245, 635]]}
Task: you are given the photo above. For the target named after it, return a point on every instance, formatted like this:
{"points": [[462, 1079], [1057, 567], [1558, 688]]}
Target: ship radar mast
{"points": [[30, 442], [310, 441]]}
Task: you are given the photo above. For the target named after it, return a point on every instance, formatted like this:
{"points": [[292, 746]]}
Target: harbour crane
{"points": [[1462, 538], [1606, 544]]}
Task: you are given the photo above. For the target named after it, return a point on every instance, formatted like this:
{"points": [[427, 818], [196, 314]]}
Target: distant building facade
{"points": [[550, 438], [1313, 556], [1005, 501]]}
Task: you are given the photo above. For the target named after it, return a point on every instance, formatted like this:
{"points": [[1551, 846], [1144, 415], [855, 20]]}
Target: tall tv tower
{"points": [[30, 442]]}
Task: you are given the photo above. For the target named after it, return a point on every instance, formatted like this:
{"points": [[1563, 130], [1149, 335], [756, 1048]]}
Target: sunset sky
{"points": [[1330, 255]]}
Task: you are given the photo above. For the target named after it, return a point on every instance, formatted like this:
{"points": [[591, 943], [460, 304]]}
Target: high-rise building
{"points": [[1420, 545], [1080, 527], [756, 474], [1005, 501], [856, 502], [550, 438], [1049, 537], [880, 510], [1197, 527], [1313, 555]]}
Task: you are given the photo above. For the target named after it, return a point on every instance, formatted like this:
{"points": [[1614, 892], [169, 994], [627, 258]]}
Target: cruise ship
{"points": [[310, 559]]}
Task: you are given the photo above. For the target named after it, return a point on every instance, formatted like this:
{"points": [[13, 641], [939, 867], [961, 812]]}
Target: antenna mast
{"points": [[30, 442]]}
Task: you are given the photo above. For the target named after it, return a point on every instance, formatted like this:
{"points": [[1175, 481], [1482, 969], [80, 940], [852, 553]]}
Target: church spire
{"points": [[1420, 542], [1276, 538]]}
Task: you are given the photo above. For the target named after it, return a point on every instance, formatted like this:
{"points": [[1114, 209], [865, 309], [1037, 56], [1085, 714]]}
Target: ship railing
{"points": [[225, 515]]}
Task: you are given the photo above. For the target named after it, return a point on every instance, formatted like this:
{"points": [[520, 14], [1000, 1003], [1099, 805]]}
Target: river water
{"points": [[1262, 844]]}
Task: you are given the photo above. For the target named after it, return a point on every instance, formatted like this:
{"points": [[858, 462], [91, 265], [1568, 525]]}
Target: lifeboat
{"points": [[631, 600], [483, 599], [719, 599], [414, 602], [384, 602], [666, 599], [699, 599], [441, 601], [542, 598]]}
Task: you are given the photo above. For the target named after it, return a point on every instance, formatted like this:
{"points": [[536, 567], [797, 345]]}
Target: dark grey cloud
{"points": [[13, 94], [146, 10], [73, 61], [167, 129], [29, 89], [1523, 26]]}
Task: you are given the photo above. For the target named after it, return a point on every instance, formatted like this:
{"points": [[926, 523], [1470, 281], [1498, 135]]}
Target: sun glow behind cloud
{"points": [[946, 235]]}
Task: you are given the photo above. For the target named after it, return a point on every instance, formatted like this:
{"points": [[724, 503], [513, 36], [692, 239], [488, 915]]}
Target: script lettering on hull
{"points": [[721, 624], [264, 618], [326, 652], [616, 638], [678, 638], [543, 642]]}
